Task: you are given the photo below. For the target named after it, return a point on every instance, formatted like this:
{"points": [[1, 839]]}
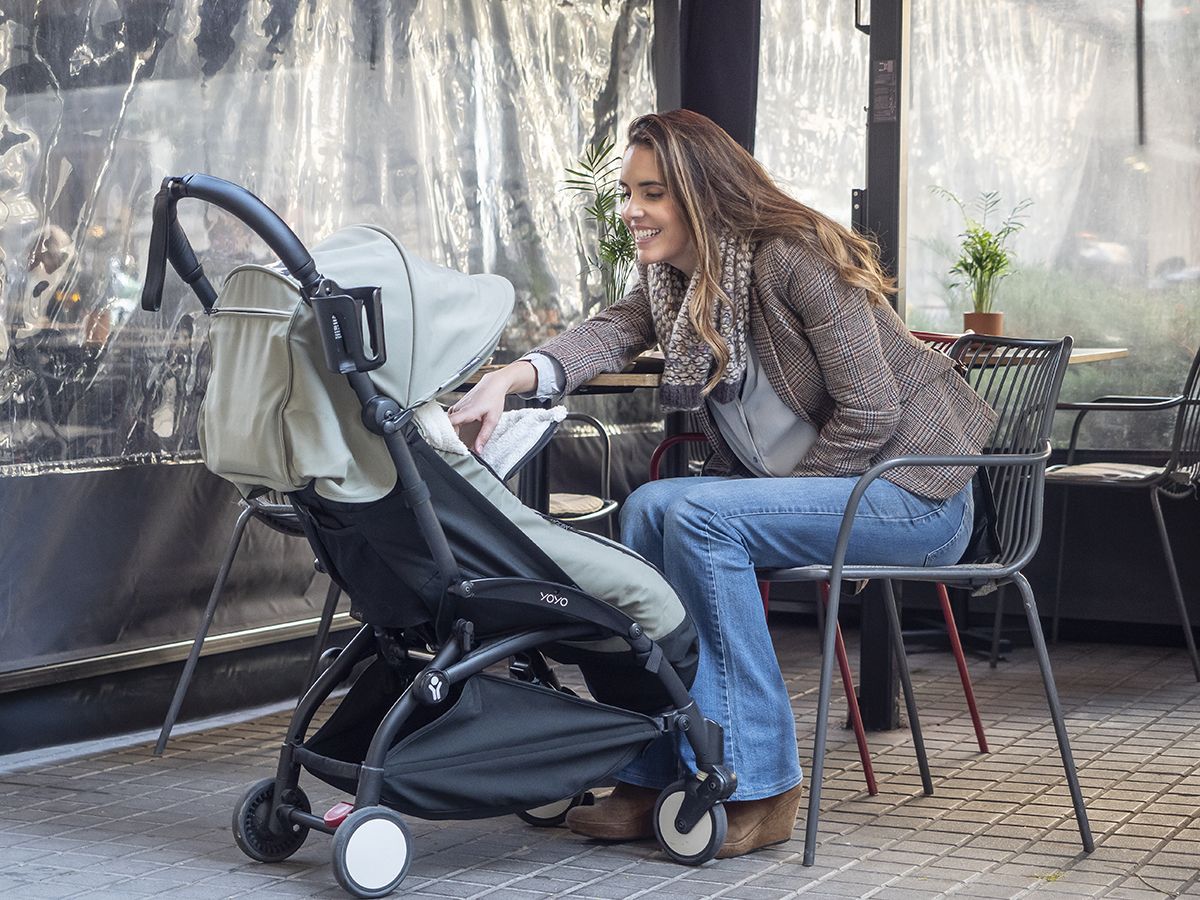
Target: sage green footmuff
{"points": [[275, 418]]}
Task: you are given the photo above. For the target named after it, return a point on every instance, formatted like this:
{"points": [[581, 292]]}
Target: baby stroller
{"points": [[437, 558]]}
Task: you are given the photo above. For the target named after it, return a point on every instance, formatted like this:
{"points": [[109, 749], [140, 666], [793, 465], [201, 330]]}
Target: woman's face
{"points": [[658, 226]]}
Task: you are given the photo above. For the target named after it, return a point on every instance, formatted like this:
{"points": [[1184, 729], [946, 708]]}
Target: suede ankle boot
{"points": [[754, 824], [624, 815]]}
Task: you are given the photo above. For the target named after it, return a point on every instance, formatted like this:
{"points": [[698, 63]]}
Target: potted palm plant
{"points": [[595, 179], [984, 257]]}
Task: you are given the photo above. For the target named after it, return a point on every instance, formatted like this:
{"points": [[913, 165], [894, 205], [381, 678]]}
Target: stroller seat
{"points": [[450, 574]]}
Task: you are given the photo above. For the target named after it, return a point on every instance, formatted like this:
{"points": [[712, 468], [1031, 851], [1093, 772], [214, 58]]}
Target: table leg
{"points": [[878, 684]]}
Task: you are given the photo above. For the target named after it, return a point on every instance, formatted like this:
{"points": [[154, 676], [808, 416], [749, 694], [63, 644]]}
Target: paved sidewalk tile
{"points": [[124, 824]]}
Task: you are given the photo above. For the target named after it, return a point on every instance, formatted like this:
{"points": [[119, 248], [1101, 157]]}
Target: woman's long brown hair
{"points": [[723, 190]]}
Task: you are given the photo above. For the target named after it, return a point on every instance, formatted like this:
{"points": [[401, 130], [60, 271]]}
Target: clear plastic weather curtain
{"points": [[1037, 100], [449, 122]]}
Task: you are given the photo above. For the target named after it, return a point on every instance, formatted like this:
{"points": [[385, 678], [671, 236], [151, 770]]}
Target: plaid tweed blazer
{"points": [[847, 366]]}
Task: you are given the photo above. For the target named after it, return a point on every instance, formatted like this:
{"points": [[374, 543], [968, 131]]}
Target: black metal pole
{"points": [[718, 63], [882, 214], [1139, 19]]}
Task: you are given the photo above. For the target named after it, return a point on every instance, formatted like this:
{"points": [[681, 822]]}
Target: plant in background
{"points": [[595, 179], [984, 257]]}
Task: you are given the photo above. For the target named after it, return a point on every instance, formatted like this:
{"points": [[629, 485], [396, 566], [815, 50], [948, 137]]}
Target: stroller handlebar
{"points": [[168, 241]]}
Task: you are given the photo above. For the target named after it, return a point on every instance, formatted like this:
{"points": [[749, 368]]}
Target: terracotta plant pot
{"points": [[984, 323]]}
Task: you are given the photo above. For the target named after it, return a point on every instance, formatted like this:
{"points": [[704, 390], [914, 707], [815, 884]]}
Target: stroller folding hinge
{"points": [[431, 687], [383, 415]]}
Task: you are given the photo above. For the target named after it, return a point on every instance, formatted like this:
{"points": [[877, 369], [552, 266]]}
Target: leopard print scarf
{"points": [[689, 360]]}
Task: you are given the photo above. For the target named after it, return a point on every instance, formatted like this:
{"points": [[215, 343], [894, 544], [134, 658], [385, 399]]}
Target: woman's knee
{"points": [[648, 504]]}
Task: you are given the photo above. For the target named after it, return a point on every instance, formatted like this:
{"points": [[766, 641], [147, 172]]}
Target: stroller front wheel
{"points": [[252, 829], [372, 850], [696, 846]]}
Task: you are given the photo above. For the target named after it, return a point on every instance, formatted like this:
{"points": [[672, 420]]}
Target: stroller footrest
{"points": [[325, 765]]}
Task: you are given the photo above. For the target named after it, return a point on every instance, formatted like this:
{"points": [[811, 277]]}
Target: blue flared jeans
{"points": [[708, 535]]}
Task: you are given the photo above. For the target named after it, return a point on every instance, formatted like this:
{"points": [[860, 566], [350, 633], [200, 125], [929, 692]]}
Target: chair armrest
{"points": [[1005, 460], [1123, 402], [1112, 403]]}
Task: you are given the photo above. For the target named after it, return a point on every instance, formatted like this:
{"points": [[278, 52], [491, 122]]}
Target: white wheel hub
{"points": [[694, 841], [376, 853]]}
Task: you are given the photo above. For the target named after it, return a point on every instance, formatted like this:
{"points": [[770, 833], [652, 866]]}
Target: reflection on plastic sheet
{"points": [[812, 87], [450, 123]]}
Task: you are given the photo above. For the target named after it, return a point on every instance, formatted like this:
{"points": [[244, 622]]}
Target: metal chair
{"points": [[576, 508], [274, 511], [1020, 379], [1177, 479]]}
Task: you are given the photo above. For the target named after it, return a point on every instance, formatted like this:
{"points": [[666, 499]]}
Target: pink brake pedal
{"points": [[337, 813]]}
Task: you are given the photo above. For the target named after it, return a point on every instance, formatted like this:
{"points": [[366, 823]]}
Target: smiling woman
{"points": [[777, 335], [660, 232]]}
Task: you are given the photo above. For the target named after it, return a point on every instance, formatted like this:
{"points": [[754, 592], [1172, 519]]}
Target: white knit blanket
{"points": [[516, 433]]}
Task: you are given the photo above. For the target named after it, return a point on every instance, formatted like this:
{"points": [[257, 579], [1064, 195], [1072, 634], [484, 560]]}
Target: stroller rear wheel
{"points": [[696, 846], [252, 830], [372, 851], [554, 814]]}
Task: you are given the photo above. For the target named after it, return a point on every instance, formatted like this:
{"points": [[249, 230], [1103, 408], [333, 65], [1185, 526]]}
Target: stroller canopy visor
{"points": [[276, 418]]}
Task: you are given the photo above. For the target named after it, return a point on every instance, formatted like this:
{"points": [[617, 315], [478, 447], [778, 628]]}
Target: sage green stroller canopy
{"points": [[275, 417]]}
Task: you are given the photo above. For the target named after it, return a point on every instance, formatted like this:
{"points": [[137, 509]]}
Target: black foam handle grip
{"points": [[182, 257], [261, 219], [169, 242]]}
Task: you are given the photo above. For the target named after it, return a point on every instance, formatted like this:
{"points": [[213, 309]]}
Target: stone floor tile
{"points": [[127, 824]]}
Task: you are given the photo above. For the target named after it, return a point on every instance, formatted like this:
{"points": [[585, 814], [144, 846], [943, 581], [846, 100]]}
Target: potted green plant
{"points": [[595, 178], [984, 257]]}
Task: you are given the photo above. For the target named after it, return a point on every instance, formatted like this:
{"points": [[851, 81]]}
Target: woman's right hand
{"points": [[485, 402]]}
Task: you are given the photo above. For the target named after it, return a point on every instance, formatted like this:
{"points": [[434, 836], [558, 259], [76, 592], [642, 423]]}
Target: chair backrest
{"points": [[1185, 446], [937, 340], [1020, 379]]}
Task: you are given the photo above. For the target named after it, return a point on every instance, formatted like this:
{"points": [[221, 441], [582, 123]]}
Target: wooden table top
{"points": [[1096, 354], [652, 379]]}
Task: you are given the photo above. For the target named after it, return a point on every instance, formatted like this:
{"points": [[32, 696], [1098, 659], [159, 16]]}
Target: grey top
{"points": [[765, 435]]}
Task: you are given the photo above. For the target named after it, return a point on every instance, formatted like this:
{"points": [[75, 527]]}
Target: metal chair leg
{"points": [[1056, 715], [1179, 601], [819, 733], [960, 661], [856, 722], [910, 700], [189, 667], [331, 601]]}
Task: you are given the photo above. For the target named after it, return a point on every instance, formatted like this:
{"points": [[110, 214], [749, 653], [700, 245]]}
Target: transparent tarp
{"points": [[1040, 100], [811, 126], [1032, 99], [450, 123]]}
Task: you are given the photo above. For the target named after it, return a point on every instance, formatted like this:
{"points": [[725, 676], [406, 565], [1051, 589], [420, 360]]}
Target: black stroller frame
{"points": [[274, 816]]}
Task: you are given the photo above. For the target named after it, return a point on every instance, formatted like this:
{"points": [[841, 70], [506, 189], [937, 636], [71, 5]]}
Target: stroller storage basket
{"points": [[496, 745]]}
